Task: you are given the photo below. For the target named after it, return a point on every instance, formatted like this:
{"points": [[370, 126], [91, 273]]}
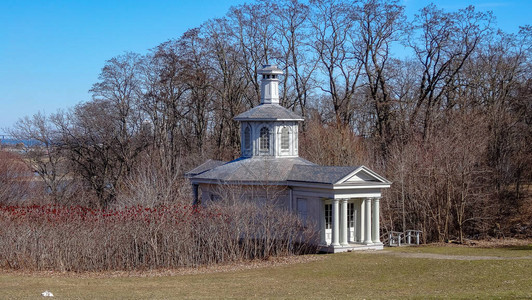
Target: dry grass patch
{"points": [[220, 268], [355, 275], [507, 248]]}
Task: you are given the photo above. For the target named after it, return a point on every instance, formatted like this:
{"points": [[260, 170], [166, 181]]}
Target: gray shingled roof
{"points": [[206, 166], [254, 170], [319, 174], [271, 170], [268, 112]]}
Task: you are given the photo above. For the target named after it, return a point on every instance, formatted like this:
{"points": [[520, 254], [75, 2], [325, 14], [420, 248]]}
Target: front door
{"points": [[328, 223], [351, 218]]}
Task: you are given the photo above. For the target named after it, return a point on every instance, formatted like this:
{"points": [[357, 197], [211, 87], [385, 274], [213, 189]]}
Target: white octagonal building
{"points": [[342, 202]]}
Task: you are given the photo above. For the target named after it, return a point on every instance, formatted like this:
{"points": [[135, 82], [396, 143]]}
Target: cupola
{"points": [[269, 85], [269, 130]]}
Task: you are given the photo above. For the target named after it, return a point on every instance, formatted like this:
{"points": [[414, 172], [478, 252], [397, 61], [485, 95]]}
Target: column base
{"points": [[349, 248]]}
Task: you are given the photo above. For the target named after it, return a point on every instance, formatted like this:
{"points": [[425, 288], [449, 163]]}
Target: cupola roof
{"points": [[270, 70], [269, 108], [268, 112]]}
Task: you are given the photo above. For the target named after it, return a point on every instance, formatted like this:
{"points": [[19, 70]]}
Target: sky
{"points": [[52, 51]]}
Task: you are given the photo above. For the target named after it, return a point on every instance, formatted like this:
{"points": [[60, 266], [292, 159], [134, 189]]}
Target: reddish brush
{"points": [[77, 238]]}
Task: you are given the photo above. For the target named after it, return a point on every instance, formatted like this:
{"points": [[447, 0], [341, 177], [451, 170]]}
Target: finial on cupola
{"points": [[269, 85]]}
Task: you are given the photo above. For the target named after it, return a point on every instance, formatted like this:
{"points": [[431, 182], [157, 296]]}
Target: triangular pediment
{"points": [[363, 175]]}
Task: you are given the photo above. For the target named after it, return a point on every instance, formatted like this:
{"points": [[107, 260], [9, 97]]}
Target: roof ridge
{"points": [[270, 112]]}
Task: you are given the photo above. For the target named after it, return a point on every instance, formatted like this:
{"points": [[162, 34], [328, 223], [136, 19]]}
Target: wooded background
{"points": [[439, 104]]}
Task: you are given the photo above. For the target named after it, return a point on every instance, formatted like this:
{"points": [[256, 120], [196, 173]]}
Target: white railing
{"points": [[409, 237]]}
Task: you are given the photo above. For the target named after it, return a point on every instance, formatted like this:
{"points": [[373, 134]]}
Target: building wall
{"points": [[309, 206], [306, 202], [278, 195], [275, 139]]}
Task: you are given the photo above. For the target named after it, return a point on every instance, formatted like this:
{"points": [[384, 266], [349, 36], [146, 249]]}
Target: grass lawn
{"points": [[355, 275], [502, 252]]}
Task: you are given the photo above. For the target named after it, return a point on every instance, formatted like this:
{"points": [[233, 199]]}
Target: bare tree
{"points": [[103, 138], [228, 84], [332, 24], [164, 103], [46, 156], [253, 27], [379, 26], [198, 80], [15, 179], [442, 42], [293, 35]]}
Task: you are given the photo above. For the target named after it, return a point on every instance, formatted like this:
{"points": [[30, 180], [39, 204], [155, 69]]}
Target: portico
{"points": [[350, 224]]}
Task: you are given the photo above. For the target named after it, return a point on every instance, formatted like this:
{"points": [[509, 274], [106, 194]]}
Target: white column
{"points": [[335, 223], [343, 225], [376, 229], [367, 225], [356, 209], [361, 221]]}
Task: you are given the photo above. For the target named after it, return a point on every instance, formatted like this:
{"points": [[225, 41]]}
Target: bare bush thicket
{"points": [[332, 144], [152, 184], [78, 238]]}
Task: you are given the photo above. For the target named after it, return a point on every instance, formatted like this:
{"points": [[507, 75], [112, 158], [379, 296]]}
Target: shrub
{"points": [[78, 238]]}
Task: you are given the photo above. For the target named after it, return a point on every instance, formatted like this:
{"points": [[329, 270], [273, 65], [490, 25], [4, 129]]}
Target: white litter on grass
{"points": [[47, 294]]}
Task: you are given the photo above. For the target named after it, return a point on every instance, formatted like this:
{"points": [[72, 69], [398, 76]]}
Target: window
{"points": [[215, 197], [247, 138], [350, 215], [328, 216], [264, 139], [285, 139]]}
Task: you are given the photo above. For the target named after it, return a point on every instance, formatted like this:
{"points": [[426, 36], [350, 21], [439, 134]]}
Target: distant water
{"points": [[9, 140]]}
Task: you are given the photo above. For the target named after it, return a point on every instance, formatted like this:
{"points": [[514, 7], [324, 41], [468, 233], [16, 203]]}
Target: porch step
{"points": [[351, 247]]}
